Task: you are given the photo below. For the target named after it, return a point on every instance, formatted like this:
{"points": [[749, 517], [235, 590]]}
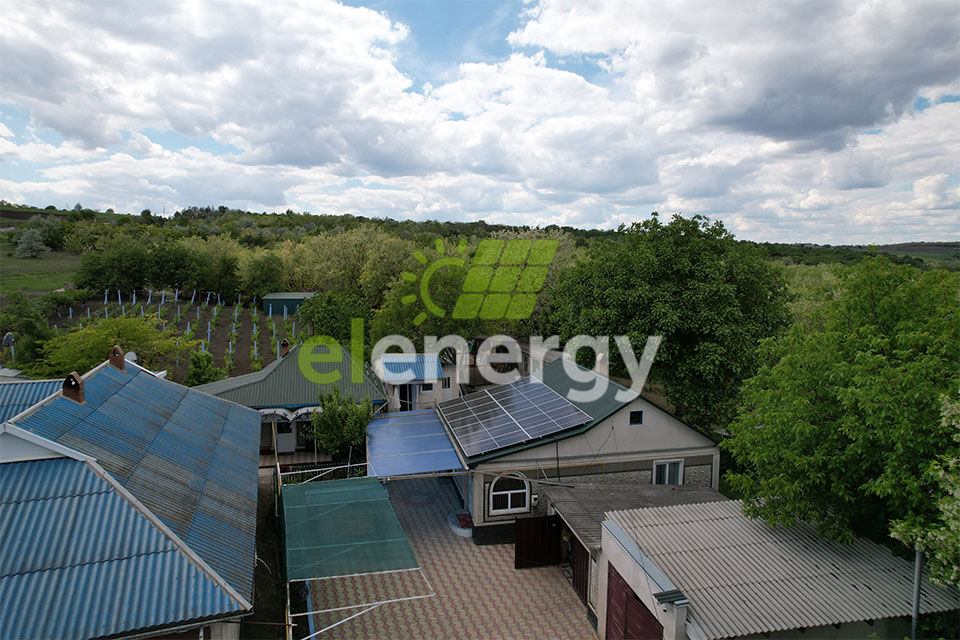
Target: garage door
{"points": [[627, 617]]}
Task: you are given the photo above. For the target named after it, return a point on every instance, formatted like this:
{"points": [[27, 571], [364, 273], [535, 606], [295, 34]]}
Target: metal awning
{"points": [[409, 442]]}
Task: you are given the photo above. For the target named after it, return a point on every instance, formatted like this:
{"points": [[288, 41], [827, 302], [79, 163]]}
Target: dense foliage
{"points": [[711, 299], [85, 348], [842, 422], [341, 423], [202, 369]]}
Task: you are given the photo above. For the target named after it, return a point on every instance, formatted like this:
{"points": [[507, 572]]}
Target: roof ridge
{"points": [[192, 556]]}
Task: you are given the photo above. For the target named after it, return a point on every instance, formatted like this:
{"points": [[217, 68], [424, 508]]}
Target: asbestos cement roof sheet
{"points": [[409, 442], [743, 577], [583, 506], [283, 384], [16, 397], [79, 560], [189, 457]]}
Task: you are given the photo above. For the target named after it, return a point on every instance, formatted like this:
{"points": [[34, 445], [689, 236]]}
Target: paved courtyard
{"points": [[479, 593]]}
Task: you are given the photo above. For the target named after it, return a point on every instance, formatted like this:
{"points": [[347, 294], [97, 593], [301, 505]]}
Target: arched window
{"points": [[509, 493]]}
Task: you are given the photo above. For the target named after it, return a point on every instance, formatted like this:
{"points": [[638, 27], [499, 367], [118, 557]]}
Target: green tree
{"points": [[330, 313], [202, 370], [25, 319], [689, 281], [341, 423], [841, 423], [939, 538], [30, 244], [85, 348], [263, 275]]}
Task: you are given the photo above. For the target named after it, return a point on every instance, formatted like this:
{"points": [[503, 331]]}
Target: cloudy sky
{"points": [[813, 120]]}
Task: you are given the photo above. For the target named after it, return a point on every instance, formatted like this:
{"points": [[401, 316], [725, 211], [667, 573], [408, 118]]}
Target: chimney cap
{"points": [[284, 347], [73, 387], [117, 361]]}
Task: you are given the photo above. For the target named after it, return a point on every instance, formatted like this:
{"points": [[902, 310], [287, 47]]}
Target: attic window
{"points": [[636, 417]]}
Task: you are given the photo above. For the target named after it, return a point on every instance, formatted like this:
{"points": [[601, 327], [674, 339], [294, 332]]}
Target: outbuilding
{"points": [[282, 303], [707, 571]]}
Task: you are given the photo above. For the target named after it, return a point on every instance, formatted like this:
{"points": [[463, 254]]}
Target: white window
{"points": [[668, 472], [509, 494], [446, 383], [426, 386]]}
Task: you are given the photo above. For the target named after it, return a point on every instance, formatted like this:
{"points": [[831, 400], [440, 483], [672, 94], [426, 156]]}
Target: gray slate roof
{"points": [[583, 507], [744, 577], [281, 384]]}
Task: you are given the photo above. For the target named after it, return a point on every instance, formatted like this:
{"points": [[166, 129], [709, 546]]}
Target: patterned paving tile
{"points": [[479, 593]]}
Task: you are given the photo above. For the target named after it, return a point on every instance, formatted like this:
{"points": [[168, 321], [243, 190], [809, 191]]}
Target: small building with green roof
{"points": [[286, 398], [279, 301]]}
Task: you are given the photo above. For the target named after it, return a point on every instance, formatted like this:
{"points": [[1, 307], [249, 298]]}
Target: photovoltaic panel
{"points": [[509, 414]]}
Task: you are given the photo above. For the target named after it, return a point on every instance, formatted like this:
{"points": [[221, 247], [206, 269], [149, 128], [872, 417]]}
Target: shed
{"points": [[708, 572], [278, 302]]}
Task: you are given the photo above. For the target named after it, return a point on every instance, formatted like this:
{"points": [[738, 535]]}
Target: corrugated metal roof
{"points": [[190, 458], [743, 577], [410, 367], [282, 384], [289, 295], [16, 397], [78, 560], [583, 506]]}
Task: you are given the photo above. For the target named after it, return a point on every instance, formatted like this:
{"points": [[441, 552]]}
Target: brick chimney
{"points": [[117, 360], [284, 347], [73, 388]]}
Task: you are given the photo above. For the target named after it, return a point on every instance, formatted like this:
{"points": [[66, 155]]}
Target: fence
{"points": [[319, 473]]}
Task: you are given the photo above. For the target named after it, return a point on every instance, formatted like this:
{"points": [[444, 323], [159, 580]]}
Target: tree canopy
{"points": [[340, 423], [842, 422], [202, 370], [689, 281], [85, 348]]}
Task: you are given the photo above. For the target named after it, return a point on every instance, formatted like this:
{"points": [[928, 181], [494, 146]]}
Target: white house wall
{"points": [[613, 446]]}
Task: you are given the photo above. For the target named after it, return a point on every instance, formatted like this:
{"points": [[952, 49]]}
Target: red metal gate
{"points": [[627, 617], [537, 542]]}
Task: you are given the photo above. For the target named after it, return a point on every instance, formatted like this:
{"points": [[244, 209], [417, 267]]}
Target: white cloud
{"points": [[756, 116]]}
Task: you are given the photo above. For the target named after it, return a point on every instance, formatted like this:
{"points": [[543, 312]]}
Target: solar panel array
{"points": [[509, 414]]}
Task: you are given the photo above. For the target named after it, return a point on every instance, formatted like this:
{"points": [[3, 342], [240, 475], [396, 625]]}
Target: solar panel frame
{"points": [[509, 414]]}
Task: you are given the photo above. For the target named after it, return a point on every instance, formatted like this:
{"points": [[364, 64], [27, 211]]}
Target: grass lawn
{"points": [[36, 276]]}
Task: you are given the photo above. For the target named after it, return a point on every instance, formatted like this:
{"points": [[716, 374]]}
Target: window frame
{"points": [[630, 420], [445, 382], [509, 493], [426, 387], [667, 463]]}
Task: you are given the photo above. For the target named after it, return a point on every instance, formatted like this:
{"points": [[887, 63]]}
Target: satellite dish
{"points": [[8, 339], [130, 356]]}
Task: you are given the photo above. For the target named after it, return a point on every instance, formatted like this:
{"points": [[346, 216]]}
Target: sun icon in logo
{"points": [[440, 263]]}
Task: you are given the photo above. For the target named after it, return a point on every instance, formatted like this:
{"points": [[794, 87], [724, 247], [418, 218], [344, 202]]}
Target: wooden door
{"points": [[627, 617], [581, 569]]}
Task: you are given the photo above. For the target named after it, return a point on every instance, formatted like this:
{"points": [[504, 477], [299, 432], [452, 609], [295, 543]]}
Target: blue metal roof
{"points": [[410, 367], [78, 560], [19, 396], [409, 442], [190, 458]]}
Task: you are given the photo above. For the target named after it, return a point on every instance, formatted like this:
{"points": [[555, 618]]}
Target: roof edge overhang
{"points": [[176, 627], [40, 441]]}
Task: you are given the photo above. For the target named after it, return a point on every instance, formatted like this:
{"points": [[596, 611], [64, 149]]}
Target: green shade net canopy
{"points": [[342, 528]]}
